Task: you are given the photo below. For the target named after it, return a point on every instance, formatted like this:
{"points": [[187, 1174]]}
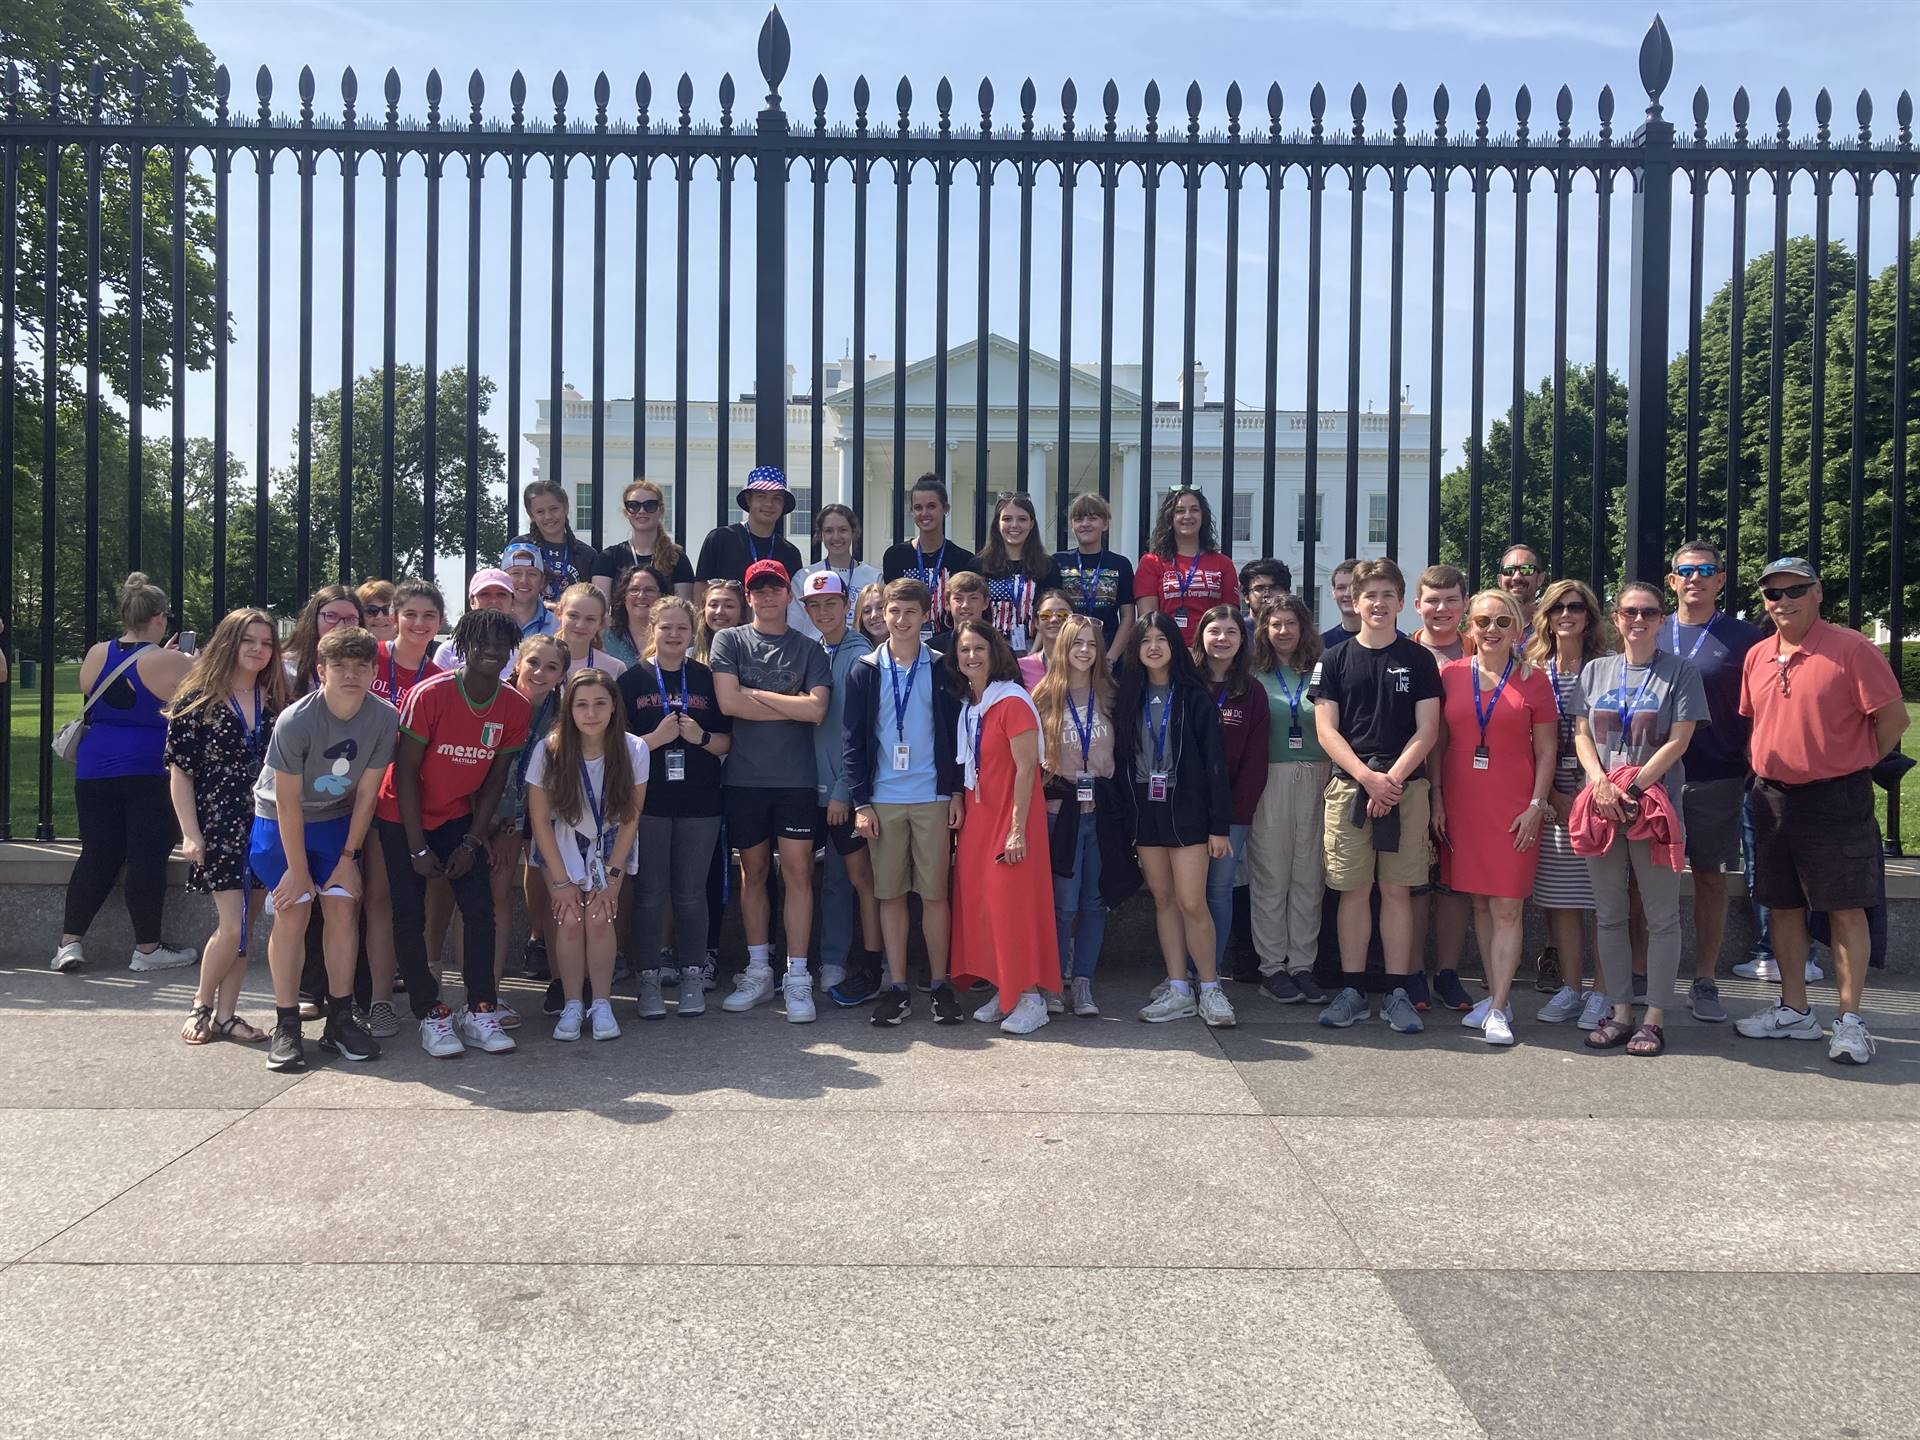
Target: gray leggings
{"points": [[1659, 897], [674, 856]]}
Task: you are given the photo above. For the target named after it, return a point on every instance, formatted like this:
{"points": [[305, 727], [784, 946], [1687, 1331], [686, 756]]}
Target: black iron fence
{"points": [[1711, 447]]}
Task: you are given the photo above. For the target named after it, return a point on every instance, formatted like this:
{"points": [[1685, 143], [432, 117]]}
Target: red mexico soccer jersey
{"points": [[461, 739]]}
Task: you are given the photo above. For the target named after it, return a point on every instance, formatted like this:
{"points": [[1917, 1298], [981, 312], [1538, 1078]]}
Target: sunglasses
{"points": [[1641, 612], [1567, 607], [1704, 572], [1493, 622], [1520, 569], [642, 507], [1777, 593], [1060, 615], [376, 611]]}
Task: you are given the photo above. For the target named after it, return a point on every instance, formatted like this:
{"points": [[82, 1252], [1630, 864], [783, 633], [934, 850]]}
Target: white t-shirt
{"points": [[862, 575], [575, 839]]}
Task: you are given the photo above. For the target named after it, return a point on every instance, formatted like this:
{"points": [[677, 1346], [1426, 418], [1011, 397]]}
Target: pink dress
{"points": [[1481, 804]]}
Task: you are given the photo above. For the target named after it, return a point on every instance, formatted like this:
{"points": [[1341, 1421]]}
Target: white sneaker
{"points": [[750, 987], [990, 1013], [1814, 973], [482, 1028], [1596, 1009], [1170, 1006], [1498, 1028], [67, 958], [162, 959], [567, 1027], [1760, 967], [1477, 1016], [1029, 1013], [1852, 1045], [1566, 1003], [1216, 1009], [605, 1027], [832, 975], [437, 1035], [1083, 998], [1056, 1002], [796, 988], [1777, 1022]]}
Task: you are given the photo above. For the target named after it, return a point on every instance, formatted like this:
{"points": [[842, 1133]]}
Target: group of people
{"points": [[1020, 739]]}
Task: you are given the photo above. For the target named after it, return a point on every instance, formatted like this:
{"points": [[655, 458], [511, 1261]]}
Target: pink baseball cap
{"points": [[489, 579]]}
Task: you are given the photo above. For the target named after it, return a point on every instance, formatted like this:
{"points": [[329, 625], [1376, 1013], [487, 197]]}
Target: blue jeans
{"points": [[1079, 916], [1763, 938], [1220, 893]]}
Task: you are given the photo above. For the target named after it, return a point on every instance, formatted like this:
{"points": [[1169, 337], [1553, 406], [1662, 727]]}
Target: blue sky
{"points": [[1763, 46]]}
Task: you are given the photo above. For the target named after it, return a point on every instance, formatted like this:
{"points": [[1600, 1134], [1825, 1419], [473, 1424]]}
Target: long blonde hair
{"points": [[1050, 694], [210, 680], [1516, 644], [666, 549], [566, 757], [1593, 642]]}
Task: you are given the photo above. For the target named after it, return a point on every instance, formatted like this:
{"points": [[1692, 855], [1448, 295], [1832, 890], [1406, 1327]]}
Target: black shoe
{"points": [[1280, 986], [1547, 971], [555, 999], [345, 1037], [1453, 995], [284, 1051], [946, 1005], [858, 988], [533, 960], [895, 1005], [1309, 988]]}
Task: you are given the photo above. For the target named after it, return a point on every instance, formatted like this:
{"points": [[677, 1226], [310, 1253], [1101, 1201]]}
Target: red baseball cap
{"points": [[767, 571]]}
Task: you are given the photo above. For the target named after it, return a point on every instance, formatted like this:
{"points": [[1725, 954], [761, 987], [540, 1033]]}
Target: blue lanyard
{"points": [[1090, 588], [901, 698], [1486, 716], [1292, 697], [661, 680], [929, 575], [1084, 729], [593, 802], [252, 731], [1185, 576], [1220, 700], [1628, 706], [1699, 640], [393, 676], [753, 550], [1160, 736]]}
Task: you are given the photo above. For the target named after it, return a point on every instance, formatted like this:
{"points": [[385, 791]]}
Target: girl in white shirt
{"points": [[835, 534]]}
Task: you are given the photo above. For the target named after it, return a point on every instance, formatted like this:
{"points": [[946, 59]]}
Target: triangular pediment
{"points": [[917, 382]]}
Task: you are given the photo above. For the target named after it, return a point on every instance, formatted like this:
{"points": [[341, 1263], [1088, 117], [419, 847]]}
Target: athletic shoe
{"points": [[751, 987], [1778, 1022], [1309, 988], [481, 1027], [1400, 1014], [1703, 999], [1216, 1009], [1477, 1016], [1814, 973], [1056, 1002], [438, 1037], [693, 994], [509, 1017], [1158, 991], [947, 1008], [1347, 1007], [832, 975], [1416, 987], [1595, 1010], [1083, 998], [1171, 1006], [1498, 1029], [1546, 967], [1281, 988], [861, 985], [67, 958], [990, 1013], [284, 1051], [893, 1007], [621, 970], [796, 987], [1565, 1005], [1851, 1045], [1029, 1013], [709, 972], [533, 962], [652, 1007], [382, 1020], [162, 959], [669, 966], [1452, 993], [568, 1025], [605, 1027], [1760, 967], [555, 1000], [344, 1037]]}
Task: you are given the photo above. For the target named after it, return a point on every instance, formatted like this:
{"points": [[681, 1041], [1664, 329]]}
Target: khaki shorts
{"points": [[913, 851], [1352, 862]]}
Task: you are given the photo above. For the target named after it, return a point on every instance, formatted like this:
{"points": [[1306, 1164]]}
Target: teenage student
{"points": [[1261, 583], [1440, 599], [1098, 580], [929, 557], [1340, 583], [836, 540], [1018, 569], [729, 551], [583, 615], [490, 589], [1054, 610], [525, 566], [870, 612], [649, 545], [1183, 574], [1223, 658], [405, 661], [966, 600], [565, 558], [328, 609]]}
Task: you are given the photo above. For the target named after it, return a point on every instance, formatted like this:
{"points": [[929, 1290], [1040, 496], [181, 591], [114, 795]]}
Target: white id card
{"points": [[676, 764], [1569, 760], [902, 757], [1157, 785], [1083, 789], [1295, 740]]}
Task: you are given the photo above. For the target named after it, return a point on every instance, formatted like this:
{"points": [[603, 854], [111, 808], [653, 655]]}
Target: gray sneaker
{"points": [[1565, 1005], [1400, 1014], [1216, 1009], [1170, 1006], [1345, 1008], [693, 993], [1703, 999], [1083, 997], [652, 1007]]}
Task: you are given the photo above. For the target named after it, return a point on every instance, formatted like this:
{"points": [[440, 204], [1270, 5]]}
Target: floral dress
{"points": [[212, 748]]}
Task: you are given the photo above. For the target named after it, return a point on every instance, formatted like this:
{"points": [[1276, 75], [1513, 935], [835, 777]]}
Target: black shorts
{"points": [[755, 816], [844, 839], [1817, 846]]}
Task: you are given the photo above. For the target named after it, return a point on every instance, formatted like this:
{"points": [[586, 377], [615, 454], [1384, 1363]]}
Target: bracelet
{"points": [[424, 850]]}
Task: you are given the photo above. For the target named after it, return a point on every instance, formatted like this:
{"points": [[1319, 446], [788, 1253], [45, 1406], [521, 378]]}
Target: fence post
{"points": [[1644, 537], [770, 253]]}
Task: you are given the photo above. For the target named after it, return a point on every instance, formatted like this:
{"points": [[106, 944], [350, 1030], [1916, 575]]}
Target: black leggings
{"points": [[126, 822]]}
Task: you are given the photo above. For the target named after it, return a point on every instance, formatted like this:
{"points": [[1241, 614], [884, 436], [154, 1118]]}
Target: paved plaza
{"points": [[733, 1226]]}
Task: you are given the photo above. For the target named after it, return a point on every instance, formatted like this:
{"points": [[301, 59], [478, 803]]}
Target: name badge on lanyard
{"points": [[902, 757], [595, 854], [676, 764], [1296, 738], [1482, 758], [1568, 759], [1157, 776], [1083, 783], [902, 752]]}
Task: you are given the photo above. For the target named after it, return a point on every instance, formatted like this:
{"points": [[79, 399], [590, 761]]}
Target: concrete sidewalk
{"points": [[735, 1226]]}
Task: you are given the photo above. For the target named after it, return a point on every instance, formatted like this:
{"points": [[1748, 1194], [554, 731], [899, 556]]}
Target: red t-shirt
{"points": [[1187, 588], [393, 682], [1822, 727], [461, 739]]}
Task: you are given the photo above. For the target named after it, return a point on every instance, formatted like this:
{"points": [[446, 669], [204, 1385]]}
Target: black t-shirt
{"points": [[933, 569], [1376, 691], [615, 560], [727, 552], [1099, 584], [698, 794], [1338, 635], [571, 562]]}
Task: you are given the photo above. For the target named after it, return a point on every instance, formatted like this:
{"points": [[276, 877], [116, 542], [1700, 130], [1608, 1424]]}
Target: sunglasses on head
{"points": [[1641, 612], [1493, 622], [1704, 571], [1520, 569], [1786, 592], [642, 507], [375, 611]]}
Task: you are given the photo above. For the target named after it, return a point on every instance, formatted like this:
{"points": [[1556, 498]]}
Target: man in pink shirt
{"points": [[1825, 708]]}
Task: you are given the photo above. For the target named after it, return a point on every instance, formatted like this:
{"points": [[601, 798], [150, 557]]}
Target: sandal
{"points": [[238, 1030], [199, 1027], [1608, 1034], [1647, 1040]]}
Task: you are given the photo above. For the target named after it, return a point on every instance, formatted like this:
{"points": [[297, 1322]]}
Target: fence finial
{"points": [[1700, 115], [776, 50], [1153, 107], [819, 104], [985, 98], [349, 92], [97, 88], [1903, 112], [393, 97], [1863, 112], [1357, 103], [1233, 110], [602, 93], [1482, 112], [1069, 98], [1782, 116], [222, 90], [10, 83], [1823, 116], [1399, 105], [559, 99], [517, 93], [643, 99], [1742, 108], [1110, 102], [726, 102], [263, 92], [1563, 111], [1276, 98], [1442, 106], [476, 92], [1606, 114], [943, 101], [862, 93], [1028, 99], [49, 79], [1522, 113], [903, 101], [684, 94], [1193, 110], [306, 93], [1656, 64], [178, 81]]}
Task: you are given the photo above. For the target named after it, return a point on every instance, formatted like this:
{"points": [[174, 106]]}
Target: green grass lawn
{"points": [[25, 751], [1909, 790]]}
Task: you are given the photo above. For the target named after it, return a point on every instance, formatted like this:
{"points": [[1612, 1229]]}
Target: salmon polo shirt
{"points": [[1822, 727]]}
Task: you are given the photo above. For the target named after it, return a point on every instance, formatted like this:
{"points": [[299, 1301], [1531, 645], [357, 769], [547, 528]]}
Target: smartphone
{"points": [[185, 641]]}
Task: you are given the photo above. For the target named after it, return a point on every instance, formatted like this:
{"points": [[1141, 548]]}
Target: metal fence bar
{"points": [[817, 346], [1817, 415], [349, 171], [1477, 373], [1023, 370], [1602, 376], [942, 243], [1644, 543], [1310, 459], [1562, 198], [1902, 341], [683, 201], [1857, 445], [858, 499], [137, 326], [983, 175], [9, 379], [902, 178], [303, 496], [1777, 320], [1440, 172], [1191, 173], [177, 528], [557, 287], [430, 355], [263, 351], [1516, 414], [1396, 314], [1698, 178], [1356, 252], [1736, 345], [49, 462], [723, 344], [1063, 468], [90, 604], [470, 536], [222, 171], [1109, 187], [1230, 340], [1150, 219], [389, 320]]}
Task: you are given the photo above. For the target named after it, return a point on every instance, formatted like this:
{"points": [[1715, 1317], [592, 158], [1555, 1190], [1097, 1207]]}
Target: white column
{"points": [[1038, 488], [1125, 502], [843, 491]]}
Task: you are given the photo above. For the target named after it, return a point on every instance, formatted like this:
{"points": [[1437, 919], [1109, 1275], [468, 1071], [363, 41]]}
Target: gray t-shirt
{"points": [[328, 754], [771, 754], [1655, 698]]}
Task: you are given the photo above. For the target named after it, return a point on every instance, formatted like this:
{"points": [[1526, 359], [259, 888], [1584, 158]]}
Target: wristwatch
{"points": [[1634, 792], [1543, 805]]}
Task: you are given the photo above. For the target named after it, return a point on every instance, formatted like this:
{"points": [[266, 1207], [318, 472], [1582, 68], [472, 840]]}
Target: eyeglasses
{"points": [[1493, 622], [1567, 607], [1641, 612], [374, 612], [642, 507], [1778, 593], [1704, 572], [1520, 569], [333, 617]]}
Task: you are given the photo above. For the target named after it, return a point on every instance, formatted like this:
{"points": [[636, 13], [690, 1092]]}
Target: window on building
{"points": [[800, 522], [1242, 518], [584, 499], [1319, 518], [1377, 518]]}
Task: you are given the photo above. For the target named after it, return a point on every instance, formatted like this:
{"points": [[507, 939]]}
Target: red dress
{"points": [[1003, 929], [1481, 804]]}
